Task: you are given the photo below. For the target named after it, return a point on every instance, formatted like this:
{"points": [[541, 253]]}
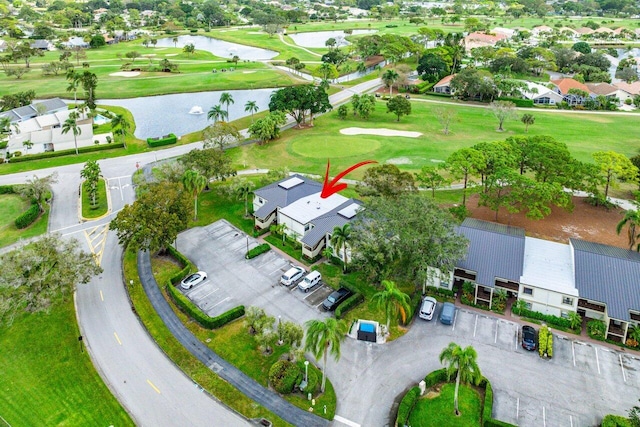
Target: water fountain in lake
{"points": [[196, 109]]}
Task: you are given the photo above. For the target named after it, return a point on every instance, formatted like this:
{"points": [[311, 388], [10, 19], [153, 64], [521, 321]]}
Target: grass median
{"points": [[435, 410], [89, 209], [12, 206]]}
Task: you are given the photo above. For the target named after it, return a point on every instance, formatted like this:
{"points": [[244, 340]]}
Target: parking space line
{"points": [[455, 317], [101, 296], [516, 334], [571, 420], [117, 338], [215, 290], [475, 326], [275, 271], [153, 386], [517, 408], [597, 359], [544, 417], [495, 340], [226, 299], [624, 377], [573, 351]]}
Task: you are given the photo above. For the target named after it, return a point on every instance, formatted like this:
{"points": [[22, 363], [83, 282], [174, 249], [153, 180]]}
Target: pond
{"points": [[319, 38], [220, 48], [160, 115]]}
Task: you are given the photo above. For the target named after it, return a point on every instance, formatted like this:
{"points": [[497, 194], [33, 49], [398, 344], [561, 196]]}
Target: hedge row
{"points": [[406, 405], [61, 153], [198, 315], [165, 140], [545, 342], [348, 304], [527, 103], [7, 189], [441, 95], [435, 377], [487, 409], [615, 421], [184, 261], [258, 250], [443, 292], [27, 217], [547, 318]]}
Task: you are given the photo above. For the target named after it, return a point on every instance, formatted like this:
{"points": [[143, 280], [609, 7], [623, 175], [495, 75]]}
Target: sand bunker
{"points": [[400, 161], [379, 132], [248, 72], [170, 54], [255, 32], [125, 74]]}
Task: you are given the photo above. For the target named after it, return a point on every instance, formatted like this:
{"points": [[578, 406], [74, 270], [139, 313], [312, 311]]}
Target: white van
{"points": [[311, 280], [292, 276]]}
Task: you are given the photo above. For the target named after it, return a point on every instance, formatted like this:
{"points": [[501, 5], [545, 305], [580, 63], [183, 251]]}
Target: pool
{"points": [[100, 120], [367, 327]]}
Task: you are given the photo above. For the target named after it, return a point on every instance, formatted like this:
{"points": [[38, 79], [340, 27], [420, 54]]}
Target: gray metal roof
{"points": [[277, 196], [608, 274], [25, 112], [326, 223], [52, 104], [13, 117], [495, 250]]}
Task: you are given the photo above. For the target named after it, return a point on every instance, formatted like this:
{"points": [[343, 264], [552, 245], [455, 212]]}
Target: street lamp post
{"points": [[306, 371]]}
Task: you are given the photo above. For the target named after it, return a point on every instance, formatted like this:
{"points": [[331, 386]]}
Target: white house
{"points": [[541, 94]]}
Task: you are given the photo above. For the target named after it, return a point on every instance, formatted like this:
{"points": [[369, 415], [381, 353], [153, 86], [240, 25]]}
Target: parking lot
{"points": [[219, 249], [608, 372]]}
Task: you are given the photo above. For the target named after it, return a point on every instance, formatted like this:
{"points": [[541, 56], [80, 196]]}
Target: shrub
{"points": [[438, 94], [527, 103], [348, 304], [313, 378], [165, 140], [199, 316], [436, 377], [441, 292], [550, 345], [61, 153], [542, 340], [7, 189], [284, 376], [615, 421], [406, 405], [3, 144], [547, 318], [258, 250], [27, 218], [459, 212], [596, 329], [487, 409]]}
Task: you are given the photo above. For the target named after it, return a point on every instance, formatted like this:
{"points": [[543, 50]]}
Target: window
{"points": [[567, 301], [308, 227], [528, 306], [527, 291], [260, 201], [564, 314], [444, 284]]}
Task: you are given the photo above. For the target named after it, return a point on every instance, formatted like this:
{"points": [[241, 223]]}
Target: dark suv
{"points": [[528, 338], [336, 298]]}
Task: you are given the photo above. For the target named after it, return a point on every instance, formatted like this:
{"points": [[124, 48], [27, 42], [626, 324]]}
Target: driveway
{"points": [[219, 249]]}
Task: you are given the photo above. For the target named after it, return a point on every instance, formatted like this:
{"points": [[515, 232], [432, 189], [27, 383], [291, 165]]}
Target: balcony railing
{"points": [[464, 275], [615, 330], [591, 306]]}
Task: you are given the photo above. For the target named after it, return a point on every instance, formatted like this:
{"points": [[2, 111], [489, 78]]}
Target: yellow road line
{"points": [[153, 386], [117, 338], [101, 296]]}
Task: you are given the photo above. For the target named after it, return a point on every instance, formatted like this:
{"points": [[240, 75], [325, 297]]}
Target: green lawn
{"points": [[306, 150], [46, 380], [438, 411], [12, 206], [101, 206]]}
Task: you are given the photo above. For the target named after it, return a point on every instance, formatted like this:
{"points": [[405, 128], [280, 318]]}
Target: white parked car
{"points": [[292, 275], [427, 308], [311, 280], [193, 279]]}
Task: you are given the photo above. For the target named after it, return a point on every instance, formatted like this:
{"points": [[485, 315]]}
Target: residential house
{"points": [[569, 32], [541, 95], [76, 42], [97, 14], [540, 30], [603, 33], [564, 85], [295, 202], [584, 31], [42, 45], [3, 45], [631, 88], [597, 281], [478, 39], [610, 91], [46, 106], [444, 85]]}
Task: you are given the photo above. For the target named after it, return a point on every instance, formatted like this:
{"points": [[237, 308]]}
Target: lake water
{"points": [[220, 48], [319, 38], [159, 115]]}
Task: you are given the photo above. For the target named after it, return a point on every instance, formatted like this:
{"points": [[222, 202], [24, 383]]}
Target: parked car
{"points": [[529, 338], [427, 308], [193, 279], [311, 280], [448, 313], [292, 275], [334, 300]]}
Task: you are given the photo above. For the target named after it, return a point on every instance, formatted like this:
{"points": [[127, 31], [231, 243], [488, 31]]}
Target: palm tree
{"points": [[463, 364], [121, 126], [389, 77], [217, 113], [339, 239], [244, 189], [361, 67], [175, 41], [194, 183], [325, 68], [71, 124], [632, 220], [393, 301], [74, 82], [251, 107], [528, 120], [226, 99], [324, 337]]}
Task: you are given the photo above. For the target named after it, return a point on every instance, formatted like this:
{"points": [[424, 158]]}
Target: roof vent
{"points": [[318, 206]]}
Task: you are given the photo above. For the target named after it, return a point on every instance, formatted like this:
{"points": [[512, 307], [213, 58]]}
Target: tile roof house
{"points": [[540, 29], [310, 219], [564, 85], [444, 85], [597, 281], [478, 39], [632, 88], [610, 91], [584, 30]]}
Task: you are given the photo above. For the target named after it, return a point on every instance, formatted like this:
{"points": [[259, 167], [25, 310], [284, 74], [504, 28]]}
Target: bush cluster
{"points": [[165, 140], [441, 292], [545, 342], [487, 407], [436, 377], [527, 103], [27, 217], [406, 405], [438, 94], [348, 304], [7, 189], [61, 153], [258, 250], [284, 376], [198, 315], [313, 379], [547, 318], [615, 421]]}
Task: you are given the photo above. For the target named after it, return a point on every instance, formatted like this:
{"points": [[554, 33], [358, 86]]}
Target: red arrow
{"points": [[328, 188]]}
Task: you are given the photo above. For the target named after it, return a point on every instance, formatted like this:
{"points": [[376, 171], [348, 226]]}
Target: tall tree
{"points": [[217, 113], [42, 274], [244, 189], [445, 116], [37, 188], [74, 82], [71, 125], [324, 338], [386, 181], [340, 238], [220, 134], [251, 107], [430, 177], [267, 128], [614, 167], [389, 77], [393, 301], [89, 83], [120, 126], [92, 174], [463, 164], [213, 163], [503, 110], [631, 220], [194, 183], [400, 106], [463, 364], [226, 99]]}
